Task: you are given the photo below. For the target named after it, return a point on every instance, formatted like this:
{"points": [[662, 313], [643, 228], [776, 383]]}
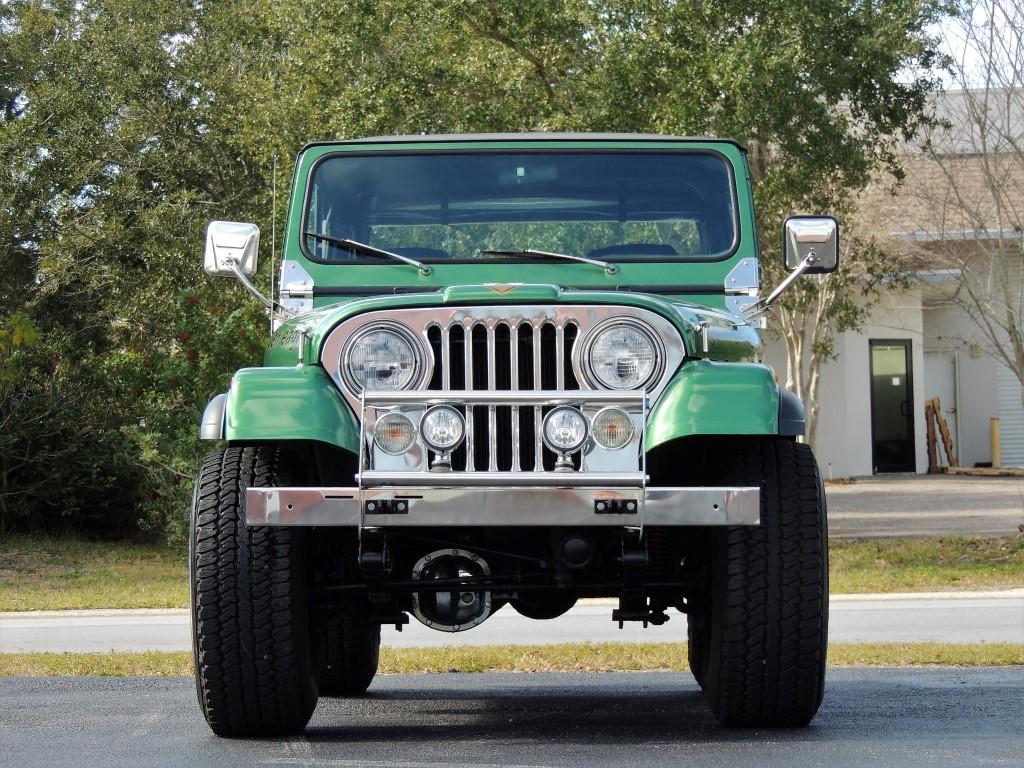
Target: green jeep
{"points": [[509, 370]]}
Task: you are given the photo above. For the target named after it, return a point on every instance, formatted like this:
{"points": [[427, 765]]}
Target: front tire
{"points": [[249, 599], [349, 650], [764, 662]]}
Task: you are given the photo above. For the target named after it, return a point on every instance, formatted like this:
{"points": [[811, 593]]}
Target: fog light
{"points": [[442, 428], [394, 433], [612, 428], [565, 429]]}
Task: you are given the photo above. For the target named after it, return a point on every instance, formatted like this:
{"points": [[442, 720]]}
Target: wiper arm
{"points": [[368, 250], [608, 267]]}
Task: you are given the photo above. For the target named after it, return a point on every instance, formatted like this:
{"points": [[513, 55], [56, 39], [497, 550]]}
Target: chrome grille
{"points": [[494, 362], [503, 355]]}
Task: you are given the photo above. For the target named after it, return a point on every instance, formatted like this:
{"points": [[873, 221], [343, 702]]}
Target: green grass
{"points": [[41, 574], [66, 573], [926, 565], [603, 657]]}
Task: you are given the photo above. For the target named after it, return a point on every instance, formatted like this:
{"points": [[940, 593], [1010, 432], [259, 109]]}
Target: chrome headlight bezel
{"points": [[587, 348], [421, 357]]}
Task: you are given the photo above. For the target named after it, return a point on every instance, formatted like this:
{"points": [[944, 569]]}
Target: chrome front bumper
{"points": [[530, 504]]}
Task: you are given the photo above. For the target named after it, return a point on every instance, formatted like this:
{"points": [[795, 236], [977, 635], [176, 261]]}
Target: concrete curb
{"points": [[1000, 594]]}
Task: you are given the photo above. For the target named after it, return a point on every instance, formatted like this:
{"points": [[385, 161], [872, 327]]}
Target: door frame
{"points": [[908, 347]]}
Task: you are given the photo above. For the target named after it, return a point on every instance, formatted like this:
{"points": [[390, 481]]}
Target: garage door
{"points": [[1011, 418]]}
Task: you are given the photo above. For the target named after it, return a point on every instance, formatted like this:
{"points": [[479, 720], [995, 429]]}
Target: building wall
{"points": [[844, 421], [946, 328]]}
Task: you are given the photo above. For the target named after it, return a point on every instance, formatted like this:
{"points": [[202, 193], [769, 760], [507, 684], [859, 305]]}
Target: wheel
{"points": [[697, 646], [768, 630], [349, 650], [249, 602]]}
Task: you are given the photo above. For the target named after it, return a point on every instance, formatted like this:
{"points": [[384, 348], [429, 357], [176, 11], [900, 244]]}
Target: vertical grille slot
{"points": [[503, 356]]}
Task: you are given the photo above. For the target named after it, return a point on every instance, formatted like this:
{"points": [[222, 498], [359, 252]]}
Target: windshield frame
{"points": [[492, 260]]}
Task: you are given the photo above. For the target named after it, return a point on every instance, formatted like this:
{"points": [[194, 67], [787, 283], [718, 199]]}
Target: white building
{"points": [[957, 214]]}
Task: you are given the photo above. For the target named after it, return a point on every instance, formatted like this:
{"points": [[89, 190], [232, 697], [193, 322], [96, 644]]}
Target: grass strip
{"points": [[64, 574], [588, 657]]}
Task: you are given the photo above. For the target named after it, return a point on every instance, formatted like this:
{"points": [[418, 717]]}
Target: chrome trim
{"points": [[594, 458], [376, 478], [538, 439], [212, 425], [424, 356], [513, 345], [507, 507], [745, 277], [508, 397], [467, 350], [584, 316], [295, 281], [492, 418], [586, 435], [583, 349]]}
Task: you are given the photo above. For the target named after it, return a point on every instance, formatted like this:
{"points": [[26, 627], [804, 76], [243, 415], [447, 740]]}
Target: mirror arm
{"points": [[273, 306], [764, 305]]}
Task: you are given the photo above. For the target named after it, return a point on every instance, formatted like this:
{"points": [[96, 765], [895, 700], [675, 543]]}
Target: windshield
{"points": [[615, 206]]}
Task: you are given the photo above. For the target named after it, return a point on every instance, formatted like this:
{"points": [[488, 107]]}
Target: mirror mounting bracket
{"points": [[764, 306], [270, 304]]}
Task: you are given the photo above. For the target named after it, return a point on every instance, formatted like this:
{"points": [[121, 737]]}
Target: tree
{"points": [[974, 205], [125, 126]]}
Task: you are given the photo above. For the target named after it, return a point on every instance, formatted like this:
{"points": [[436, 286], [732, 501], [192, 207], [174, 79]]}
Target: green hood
{"points": [[730, 338]]}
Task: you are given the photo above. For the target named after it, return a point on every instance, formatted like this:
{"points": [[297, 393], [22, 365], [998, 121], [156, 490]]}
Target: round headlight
{"points": [[565, 429], [394, 433], [442, 428], [381, 358], [623, 356], [612, 428]]}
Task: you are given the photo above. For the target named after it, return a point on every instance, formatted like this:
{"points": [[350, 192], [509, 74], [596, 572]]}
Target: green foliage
{"points": [[125, 126]]}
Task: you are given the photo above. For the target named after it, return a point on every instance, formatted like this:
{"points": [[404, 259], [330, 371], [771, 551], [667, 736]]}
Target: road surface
{"points": [[896, 506], [886, 717], [853, 619]]}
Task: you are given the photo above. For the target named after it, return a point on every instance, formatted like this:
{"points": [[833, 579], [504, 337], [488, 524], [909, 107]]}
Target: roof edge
{"points": [[463, 138]]}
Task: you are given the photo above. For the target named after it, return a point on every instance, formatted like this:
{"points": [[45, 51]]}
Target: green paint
{"points": [[385, 274], [297, 403], [289, 402], [709, 398]]}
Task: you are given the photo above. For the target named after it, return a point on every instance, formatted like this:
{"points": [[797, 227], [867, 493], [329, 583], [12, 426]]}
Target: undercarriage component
{"points": [[633, 604], [452, 610], [543, 605]]}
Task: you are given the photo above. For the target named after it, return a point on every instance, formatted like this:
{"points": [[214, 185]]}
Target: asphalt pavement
{"points": [[886, 717], [991, 617], [897, 506]]}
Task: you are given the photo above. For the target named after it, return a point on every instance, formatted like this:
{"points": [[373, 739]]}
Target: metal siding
{"points": [[1011, 417]]}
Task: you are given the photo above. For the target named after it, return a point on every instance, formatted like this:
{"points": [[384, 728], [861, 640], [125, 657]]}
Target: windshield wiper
{"points": [[368, 250], [608, 267]]}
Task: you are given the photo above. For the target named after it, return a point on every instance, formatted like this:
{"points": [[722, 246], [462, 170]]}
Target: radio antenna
{"points": [[273, 236]]}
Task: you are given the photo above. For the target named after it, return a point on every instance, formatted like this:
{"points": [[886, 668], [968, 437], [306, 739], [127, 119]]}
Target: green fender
{"points": [[708, 398], [295, 403]]}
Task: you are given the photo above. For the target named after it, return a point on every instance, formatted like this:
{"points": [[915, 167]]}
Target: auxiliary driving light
{"points": [[565, 429], [612, 428], [442, 428], [394, 433]]}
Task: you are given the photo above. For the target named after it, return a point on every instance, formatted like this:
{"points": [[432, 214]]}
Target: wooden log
{"points": [[947, 438], [929, 420]]}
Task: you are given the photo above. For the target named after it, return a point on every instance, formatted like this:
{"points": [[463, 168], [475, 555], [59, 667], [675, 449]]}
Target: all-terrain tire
{"points": [[349, 650], [696, 647], [255, 675], [767, 640]]}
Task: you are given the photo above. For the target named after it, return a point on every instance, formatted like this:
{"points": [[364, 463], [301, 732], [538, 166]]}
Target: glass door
{"points": [[892, 407]]}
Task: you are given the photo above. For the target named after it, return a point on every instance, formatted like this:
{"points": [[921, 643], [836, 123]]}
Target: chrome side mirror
{"points": [[231, 247], [810, 246], [816, 237]]}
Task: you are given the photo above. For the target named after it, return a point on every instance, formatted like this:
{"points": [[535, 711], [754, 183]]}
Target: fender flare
{"points": [[716, 398]]}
